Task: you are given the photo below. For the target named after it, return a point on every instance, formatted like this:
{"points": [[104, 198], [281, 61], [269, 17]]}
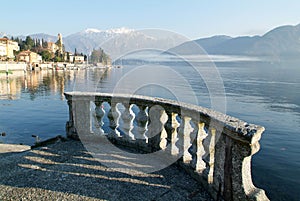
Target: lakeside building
{"points": [[73, 58], [29, 57], [77, 59], [7, 48], [52, 47]]}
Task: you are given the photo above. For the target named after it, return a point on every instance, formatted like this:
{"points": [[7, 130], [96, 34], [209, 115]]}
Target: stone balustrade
{"points": [[214, 148]]}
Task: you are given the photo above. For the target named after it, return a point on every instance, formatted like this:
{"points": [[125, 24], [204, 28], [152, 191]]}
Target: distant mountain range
{"points": [[281, 41], [115, 42]]}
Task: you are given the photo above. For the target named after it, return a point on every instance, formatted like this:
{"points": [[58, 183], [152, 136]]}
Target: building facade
{"points": [[52, 47], [7, 48], [29, 57]]}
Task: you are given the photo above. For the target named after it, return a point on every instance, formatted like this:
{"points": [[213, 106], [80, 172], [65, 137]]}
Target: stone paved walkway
{"points": [[65, 171]]}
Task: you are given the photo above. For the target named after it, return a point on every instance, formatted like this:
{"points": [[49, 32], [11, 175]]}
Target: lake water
{"points": [[264, 93]]}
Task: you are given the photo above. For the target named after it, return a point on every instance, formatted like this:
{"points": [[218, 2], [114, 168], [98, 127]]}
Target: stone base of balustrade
{"points": [[71, 131], [202, 179]]}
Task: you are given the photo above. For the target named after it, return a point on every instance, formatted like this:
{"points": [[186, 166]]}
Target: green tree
{"points": [[58, 56], [96, 56], [46, 55], [44, 44], [29, 42], [68, 56]]}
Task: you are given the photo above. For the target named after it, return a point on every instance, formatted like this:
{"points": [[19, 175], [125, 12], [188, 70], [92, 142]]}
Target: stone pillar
{"points": [[82, 117]]}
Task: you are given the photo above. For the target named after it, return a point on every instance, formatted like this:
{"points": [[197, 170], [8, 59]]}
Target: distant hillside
{"points": [[46, 37], [281, 41], [191, 47]]}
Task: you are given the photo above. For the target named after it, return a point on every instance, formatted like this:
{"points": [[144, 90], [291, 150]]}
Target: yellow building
{"points": [[2, 51], [7, 48], [29, 57], [52, 47], [58, 46]]}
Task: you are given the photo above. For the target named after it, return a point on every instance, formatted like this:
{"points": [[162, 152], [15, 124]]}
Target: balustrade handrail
{"points": [[229, 143]]}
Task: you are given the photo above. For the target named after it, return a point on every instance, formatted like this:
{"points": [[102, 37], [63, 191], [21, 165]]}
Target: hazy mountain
{"points": [[191, 47], [41, 36], [281, 41]]}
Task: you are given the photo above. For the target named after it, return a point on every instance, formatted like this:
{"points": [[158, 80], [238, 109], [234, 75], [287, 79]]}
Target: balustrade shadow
{"points": [[68, 168]]}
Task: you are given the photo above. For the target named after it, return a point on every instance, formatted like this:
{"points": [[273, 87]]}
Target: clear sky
{"points": [[191, 18]]}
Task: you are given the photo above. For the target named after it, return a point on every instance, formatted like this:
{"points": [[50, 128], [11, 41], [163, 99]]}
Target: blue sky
{"points": [[191, 18]]}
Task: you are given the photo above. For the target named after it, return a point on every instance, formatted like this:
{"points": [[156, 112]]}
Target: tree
{"points": [[95, 56], [68, 56], [99, 56], [29, 42], [46, 55], [58, 56], [44, 44]]}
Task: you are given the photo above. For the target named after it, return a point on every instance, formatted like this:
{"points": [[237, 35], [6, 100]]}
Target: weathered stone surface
{"points": [[66, 171]]}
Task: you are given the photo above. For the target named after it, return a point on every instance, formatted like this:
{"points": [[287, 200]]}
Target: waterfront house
{"points": [[29, 57], [7, 48], [76, 58]]}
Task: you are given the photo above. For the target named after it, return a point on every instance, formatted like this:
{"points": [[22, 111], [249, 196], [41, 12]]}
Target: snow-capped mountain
{"points": [[122, 30], [117, 42], [91, 30]]}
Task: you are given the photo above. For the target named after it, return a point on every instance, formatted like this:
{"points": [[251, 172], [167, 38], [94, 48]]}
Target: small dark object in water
{"points": [[3, 134]]}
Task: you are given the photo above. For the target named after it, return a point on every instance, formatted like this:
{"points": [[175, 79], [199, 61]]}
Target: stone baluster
{"points": [[185, 131], [156, 130], [127, 117], [114, 116], [211, 149], [197, 149], [99, 111], [142, 122], [174, 135]]}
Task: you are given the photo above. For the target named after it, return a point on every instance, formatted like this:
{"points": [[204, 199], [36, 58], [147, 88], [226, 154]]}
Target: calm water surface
{"points": [[263, 93]]}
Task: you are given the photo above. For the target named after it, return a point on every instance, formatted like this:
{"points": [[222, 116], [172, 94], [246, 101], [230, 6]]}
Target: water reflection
{"points": [[48, 82], [33, 103]]}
